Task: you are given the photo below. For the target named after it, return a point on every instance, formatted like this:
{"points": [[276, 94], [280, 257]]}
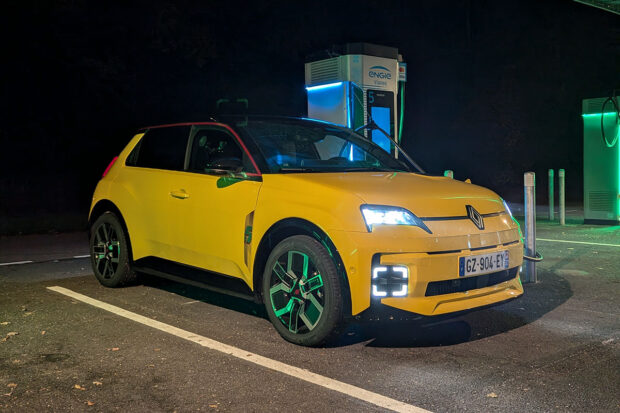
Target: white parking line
{"points": [[299, 373], [578, 242], [15, 263], [48, 260]]}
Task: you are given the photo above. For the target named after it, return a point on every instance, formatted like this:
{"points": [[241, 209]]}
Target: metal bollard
{"points": [[449, 173], [561, 180], [529, 190], [551, 206]]}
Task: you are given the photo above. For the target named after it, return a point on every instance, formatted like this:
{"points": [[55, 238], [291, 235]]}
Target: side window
{"points": [[162, 148], [215, 149]]}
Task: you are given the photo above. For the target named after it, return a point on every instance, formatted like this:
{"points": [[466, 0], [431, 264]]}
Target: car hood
{"points": [[425, 196]]}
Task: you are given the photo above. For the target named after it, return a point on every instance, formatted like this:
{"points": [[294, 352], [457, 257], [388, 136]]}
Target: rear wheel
{"points": [[302, 291], [109, 253]]}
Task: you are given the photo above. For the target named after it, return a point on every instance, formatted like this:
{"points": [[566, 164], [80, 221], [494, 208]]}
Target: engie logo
{"points": [[380, 72]]}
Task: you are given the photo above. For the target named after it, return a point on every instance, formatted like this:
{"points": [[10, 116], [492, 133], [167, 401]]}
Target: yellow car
{"points": [[307, 217]]}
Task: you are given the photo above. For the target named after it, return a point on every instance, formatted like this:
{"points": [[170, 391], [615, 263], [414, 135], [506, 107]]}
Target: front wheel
{"points": [[302, 291], [109, 252]]}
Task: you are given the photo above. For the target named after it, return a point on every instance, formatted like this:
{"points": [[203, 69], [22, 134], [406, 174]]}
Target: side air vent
{"points": [[593, 105], [324, 71], [601, 201]]}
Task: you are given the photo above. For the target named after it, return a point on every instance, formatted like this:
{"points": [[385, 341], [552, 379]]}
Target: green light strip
{"points": [[589, 115]]}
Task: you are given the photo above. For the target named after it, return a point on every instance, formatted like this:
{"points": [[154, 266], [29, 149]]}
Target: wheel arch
{"points": [[289, 227], [104, 206]]}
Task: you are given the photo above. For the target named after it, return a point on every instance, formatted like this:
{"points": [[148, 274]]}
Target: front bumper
{"points": [[436, 260]]}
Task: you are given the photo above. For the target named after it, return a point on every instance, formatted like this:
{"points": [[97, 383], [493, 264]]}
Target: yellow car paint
{"points": [[189, 219]]}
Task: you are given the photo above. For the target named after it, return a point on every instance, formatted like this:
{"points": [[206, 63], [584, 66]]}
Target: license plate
{"points": [[483, 264]]}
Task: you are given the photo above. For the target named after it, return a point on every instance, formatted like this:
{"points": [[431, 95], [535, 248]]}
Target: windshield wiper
{"points": [[373, 126]]}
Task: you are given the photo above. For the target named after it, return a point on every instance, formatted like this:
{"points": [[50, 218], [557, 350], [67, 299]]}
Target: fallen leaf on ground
{"points": [[28, 313], [492, 395], [156, 349], [97, 383], [88, 402], [5, 323], [43, 332], [9, 335], [114, 349], [12, 387], [77, 386]]}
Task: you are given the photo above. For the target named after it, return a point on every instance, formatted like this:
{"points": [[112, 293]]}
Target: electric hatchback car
{"points": [[312, 219]]}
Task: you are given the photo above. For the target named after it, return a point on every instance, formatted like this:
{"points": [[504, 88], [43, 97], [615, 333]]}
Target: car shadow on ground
{"points": [[539, 299], [210, 297]]}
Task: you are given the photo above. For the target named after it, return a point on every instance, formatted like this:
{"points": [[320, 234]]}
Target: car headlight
{"points": [[507, 208], [390, 215]]}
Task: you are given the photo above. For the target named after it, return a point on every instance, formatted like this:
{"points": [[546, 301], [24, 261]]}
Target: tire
{"points": [[302, 291], [109, 252]]}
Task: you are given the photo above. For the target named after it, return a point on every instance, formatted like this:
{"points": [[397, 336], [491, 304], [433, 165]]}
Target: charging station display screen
{"points": [[380, 105]]}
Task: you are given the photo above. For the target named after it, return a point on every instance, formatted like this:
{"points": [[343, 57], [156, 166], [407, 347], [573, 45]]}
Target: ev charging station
{"points": [[355, 83], [601, 160]]}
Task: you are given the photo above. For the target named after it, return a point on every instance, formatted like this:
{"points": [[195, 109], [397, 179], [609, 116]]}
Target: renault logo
{"points": [[475, 217]]}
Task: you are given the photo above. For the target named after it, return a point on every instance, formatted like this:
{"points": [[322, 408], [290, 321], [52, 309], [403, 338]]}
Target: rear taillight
{"points": [[109, 166]]}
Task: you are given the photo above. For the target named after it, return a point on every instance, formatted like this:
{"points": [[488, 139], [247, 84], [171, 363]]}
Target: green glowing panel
{"points": [[601, 165]]}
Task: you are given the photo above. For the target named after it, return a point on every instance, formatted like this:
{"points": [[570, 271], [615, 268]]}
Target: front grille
{"points": [[470, 283]]}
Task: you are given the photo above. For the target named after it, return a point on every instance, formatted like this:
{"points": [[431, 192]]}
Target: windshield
{"points": [[291, 145]]}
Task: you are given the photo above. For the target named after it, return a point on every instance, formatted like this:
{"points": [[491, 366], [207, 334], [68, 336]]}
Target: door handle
{"points": [[180, 194]]}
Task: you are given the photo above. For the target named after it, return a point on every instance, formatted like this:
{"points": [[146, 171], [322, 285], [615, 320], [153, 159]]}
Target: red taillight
{"points": [[109, 166]]}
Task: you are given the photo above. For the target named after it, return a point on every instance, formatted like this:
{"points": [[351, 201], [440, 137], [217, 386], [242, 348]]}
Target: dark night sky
{"points": [[494, 88]]}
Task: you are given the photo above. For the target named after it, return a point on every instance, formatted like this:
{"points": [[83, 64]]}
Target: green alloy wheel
{"points": [[302, 291], [109, 255]]}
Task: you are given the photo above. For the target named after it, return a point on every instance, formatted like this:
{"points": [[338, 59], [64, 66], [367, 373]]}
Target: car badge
{"points": [[475, 217]]}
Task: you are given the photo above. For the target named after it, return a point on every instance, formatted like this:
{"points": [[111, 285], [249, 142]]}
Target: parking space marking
{"points": [[15, 263], [44, 261], [578, 242], [299, 373]]}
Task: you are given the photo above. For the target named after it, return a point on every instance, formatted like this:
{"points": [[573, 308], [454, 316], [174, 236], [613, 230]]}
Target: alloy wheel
{"points": [[297, 292], [106, 250]]}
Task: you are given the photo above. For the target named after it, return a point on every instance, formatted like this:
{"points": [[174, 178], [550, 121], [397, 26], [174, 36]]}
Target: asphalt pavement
{"points": [[555, 349]]}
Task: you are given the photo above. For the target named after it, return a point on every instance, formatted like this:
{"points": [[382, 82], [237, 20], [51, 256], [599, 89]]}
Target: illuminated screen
{"points": [[380, 107], [381, 116]]}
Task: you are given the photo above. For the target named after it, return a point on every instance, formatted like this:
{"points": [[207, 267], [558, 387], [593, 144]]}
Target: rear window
{"points": [[161, 148]]}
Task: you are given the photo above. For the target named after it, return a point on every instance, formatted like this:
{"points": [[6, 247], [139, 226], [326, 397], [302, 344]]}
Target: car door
{"points": [[220, 190], [155, 169]]}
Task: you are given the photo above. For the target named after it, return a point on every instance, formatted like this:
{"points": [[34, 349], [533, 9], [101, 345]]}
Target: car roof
{"points": [[231, 119]]}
